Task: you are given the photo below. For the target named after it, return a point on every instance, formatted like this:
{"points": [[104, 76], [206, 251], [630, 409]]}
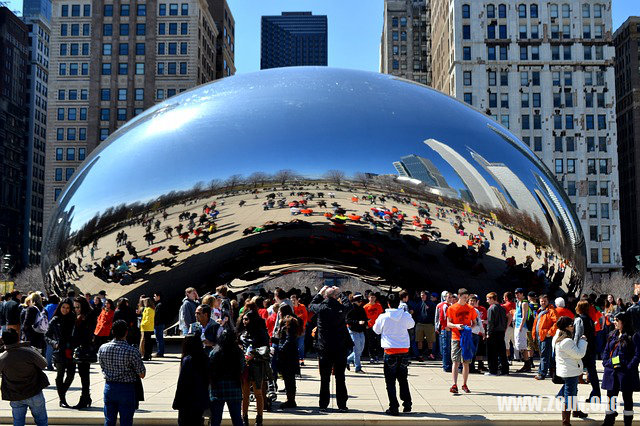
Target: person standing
{"points": [[584, 327], [520, 330], [146, 328], [12, 311], [301, 312], [159, 322], [425, 329], [569, 356], [357, 322], [187, 314], [444, 332], [192, 391], [226, 364], [122, 367], [333, 346], [373, 309], [620, 360], [59, 337], [84, 352], [104, 324], [496, 327], [23, 380], [29, 326], [393, 325], [544, 328], [460, 315], [288, 363]]}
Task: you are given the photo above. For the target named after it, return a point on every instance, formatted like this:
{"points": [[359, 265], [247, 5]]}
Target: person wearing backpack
{"points": [[34, 323]]}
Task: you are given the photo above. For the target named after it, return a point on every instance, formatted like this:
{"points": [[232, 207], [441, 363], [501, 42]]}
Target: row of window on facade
{"points": [[125, 9], [599, 233], [554, 11], [533, 31], [71, 154], [67, 175], [606, 255], [73, 133], [558, 79], [602, 166], [124, 29]]}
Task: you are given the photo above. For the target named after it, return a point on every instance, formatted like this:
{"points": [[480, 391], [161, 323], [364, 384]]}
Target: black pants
{"points": [[497, 353], [336, 362], [290, 385], [373, 343], [83, 372], [627, 397], [589, 362], [67, 367], [190, 418], [396, 369], [148, 344]]}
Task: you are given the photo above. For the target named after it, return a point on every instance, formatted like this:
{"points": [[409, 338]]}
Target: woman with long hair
{"points": [[84, 351], [59, 336], [28, 327], [146, 328], [227, 364], [104, 324], [620, 360], [288, 363], [127, 314], [584, 327], [254, 340], [192, 393], [569, 366]]}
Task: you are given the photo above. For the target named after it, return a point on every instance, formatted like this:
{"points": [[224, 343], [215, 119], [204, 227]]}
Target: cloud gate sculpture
{"points": [[343, 172]]}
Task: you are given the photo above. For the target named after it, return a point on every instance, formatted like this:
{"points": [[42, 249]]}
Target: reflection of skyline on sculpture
{"points": [[258, 141]]}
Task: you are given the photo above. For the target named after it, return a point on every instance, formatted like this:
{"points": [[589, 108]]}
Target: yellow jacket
{"points": [[148, 318]]}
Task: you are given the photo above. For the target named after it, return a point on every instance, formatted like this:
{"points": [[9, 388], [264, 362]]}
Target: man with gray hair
{"points": [[334, 344]]}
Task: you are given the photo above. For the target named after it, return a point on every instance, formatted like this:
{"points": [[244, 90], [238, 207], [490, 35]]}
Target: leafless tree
{"points": [[618, 284], [30, 279], [362, 178], [233, 181], [282, 176], [257, 179], [335, 176]]}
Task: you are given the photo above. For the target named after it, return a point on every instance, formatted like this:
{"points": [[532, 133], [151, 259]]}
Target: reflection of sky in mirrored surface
{"points": [[309, 120]]}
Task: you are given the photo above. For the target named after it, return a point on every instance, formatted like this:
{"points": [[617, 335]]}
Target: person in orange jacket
{"points": [[104, 323], [373, 310], [301, 312], [561, 309], [544, 328]]}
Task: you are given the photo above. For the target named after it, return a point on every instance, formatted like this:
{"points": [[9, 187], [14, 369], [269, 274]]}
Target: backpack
{"points": [[41, 324]]}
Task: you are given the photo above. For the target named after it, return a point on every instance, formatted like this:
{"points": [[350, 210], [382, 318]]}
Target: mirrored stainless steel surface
{"points": [[349, 172]]}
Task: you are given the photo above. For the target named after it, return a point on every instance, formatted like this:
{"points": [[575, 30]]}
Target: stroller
{"points": [[270, 386]]}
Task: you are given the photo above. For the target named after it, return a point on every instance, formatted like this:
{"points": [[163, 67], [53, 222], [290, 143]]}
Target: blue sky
{"points": [[355, 27]]}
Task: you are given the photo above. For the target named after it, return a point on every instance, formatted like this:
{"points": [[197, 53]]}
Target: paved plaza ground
{"points": [[432, 401]]}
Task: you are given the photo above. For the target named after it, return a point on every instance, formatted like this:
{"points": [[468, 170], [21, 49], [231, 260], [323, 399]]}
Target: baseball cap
{"points": [[434, 294], [532, 294], [520, 290], [358, 297]]}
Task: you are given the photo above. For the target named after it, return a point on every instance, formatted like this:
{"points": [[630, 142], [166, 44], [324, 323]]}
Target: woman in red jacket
{"points": [[105, 321]]}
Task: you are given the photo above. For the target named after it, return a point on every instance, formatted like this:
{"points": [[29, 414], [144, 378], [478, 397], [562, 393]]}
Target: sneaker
{"points": [[343, 409], [406, 409], [490, 374], [392, 412], [465, 389], [288, 404], [301, 363], [454, 389], [538, 377], [361, 371], [348, 366]]}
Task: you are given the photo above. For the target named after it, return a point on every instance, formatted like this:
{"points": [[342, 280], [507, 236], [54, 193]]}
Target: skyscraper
{"points": [[110, 61], [405, 45], [14, 57], [36, 15], [226, 42], [293, 39], [627, 44], [545, 71]]}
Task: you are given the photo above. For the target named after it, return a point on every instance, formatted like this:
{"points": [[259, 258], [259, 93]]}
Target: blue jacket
{"points": [[466, 344], [627, 373]]}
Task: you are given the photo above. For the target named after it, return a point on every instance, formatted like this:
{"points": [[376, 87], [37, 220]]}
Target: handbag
{"points": [[85, 353]]}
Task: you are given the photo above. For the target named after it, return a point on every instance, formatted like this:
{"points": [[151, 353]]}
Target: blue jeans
{"points": [[38, 410], [300, 342], [235, 411], [159, 330], [569, 391], [358, 347], [49, 356], [445, 349], [545, 356], [119, 398], [396, 369]]}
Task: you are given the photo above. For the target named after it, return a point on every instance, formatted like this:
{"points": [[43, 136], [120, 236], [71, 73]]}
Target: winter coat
{"points": [[187, 315], [394, 325], [59, 336], [568, 356], [584, 327], [628, 349], [147, 322], [354, 316], [545, 324], [28, 333], [333, 336], [105, 322], [288, 353]]}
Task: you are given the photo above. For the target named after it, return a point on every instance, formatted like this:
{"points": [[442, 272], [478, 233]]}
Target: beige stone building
{"points": [[405, 45], [112, 60]]}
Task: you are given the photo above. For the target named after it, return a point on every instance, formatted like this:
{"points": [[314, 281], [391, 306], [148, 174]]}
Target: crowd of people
{"points": [[236, 347]]}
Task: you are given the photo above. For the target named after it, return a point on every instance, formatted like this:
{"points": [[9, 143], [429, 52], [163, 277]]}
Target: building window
{"points": [[468, 98], [492, 78], [139, 68], [537, 100], [502, 11], [604, 211], [162, 9], [559, 166], [503, 53], [160, 94], [123, 68], [173, 48], [504, 120], [161, 68], [535, 53], [525, 122], [72, 114], [65, 10], [522, 11], [571, 145], [594, 255], [124, 9], [86, 29], [122, 114], [183, 68], [61, 95], [106, 49], [535, 33], [491, 11], [597, 11], [503, 32], [522, 31], [602, 121], [82, 151], [104, 134], [107, 30], [566, 52], [104, 114], [71, 154], [568, 121], [466, 78], [108, 10], [394, 22], [589, 121], [124, 29], [571, 188], [504, 100], [593, 210], [591, 166], [571, 165], [466, 11], [403, 22], [602, 144], [171, 68], [122, 94], [60, 114], [537, 143], [558, 144], [184, 29], [141, 9], [524, 100], [140, 29], [123, 49], [537, 121], [557, 122], [140, 48], [68, 172], [139, 93], [493, 100], [184, 10], [173, 28], [173, 9], [466, 32], [160, 48], [491, 53], [534, 10], [58, 174], [59, 154], [603, 165], [82, 135], [491, 32], [183, 48]]}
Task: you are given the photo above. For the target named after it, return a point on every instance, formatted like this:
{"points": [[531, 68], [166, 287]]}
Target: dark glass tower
{"points": [[293, 39]]}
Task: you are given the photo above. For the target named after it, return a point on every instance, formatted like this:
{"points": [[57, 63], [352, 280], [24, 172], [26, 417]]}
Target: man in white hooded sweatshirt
{"points": [[394, 325]]}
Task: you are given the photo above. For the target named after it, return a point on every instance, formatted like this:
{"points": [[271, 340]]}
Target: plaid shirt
{"points": [[225, 390], [120, 362]]}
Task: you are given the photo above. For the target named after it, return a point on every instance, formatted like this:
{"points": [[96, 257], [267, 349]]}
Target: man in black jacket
{"points": [[159, 322], [333, 345], [496, 327], [357, 322]]}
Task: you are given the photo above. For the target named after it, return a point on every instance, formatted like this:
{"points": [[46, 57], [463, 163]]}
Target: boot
{"points": [[62, 396], [258, 420], [609, 419], [628, 418], [566, 418], [579, 414], [85, 401]]}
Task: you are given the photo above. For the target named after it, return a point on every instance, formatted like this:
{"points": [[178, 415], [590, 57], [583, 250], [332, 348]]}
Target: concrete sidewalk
{"points": [[432, 401]]}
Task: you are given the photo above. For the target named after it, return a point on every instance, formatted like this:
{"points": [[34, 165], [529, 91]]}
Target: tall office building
{"points": [[36, 15], [112, 60], [14, 57], [405, 45], [293, 39], [226, 42], [545, 71], [627, 44]]}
